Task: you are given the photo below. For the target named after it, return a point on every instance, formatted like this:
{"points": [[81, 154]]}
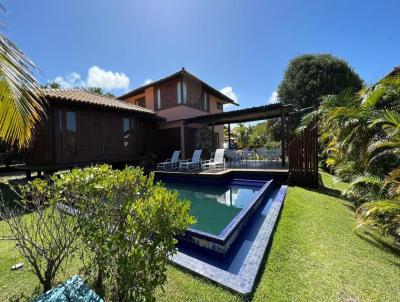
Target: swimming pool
{"points": [[243, 210], [214, 206], [222, 209]]}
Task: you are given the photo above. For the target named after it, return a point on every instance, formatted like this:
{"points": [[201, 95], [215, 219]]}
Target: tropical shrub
{"points": [[128, 224], [204, 140], [46, 237], [360, 138], [256, 136]]}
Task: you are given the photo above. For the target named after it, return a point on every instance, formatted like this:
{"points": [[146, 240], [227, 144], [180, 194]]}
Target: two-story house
{"points": [[178, 97]]}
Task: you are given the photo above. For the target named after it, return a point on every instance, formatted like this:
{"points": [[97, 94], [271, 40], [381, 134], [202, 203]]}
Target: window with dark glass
{"points": [[126, 128], [205, 106], [158, 98], [68, 134], [220, 106], [141, 102]]}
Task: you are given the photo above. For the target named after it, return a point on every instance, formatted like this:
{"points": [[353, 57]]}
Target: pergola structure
{"points": [[249, 115]]}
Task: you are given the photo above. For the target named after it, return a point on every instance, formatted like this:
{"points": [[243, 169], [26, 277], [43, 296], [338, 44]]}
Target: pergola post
{"points": [[283, 138], [229, 135], [213, 136], [183, 140]]}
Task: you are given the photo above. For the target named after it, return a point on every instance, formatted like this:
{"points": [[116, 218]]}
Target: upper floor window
{"points": [[220, 106], [141, 102], [158, 98], [205, 102], [184, 92], [179, 91]]}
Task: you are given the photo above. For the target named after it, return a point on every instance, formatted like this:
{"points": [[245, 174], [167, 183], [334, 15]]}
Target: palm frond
{"points": [[370, 99], [390, 123], [392, 182], [383, 215], [21, 104], [368, 179]]}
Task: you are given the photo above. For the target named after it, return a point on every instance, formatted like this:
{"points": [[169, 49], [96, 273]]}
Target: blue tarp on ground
{"points": [[73, 289]]}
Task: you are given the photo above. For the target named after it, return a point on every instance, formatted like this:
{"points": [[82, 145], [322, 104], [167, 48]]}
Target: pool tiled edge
{"points": [[243, 282], [220, 244]]}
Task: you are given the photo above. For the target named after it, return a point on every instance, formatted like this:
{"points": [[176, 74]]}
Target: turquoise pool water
{"points": [[214, 206]]}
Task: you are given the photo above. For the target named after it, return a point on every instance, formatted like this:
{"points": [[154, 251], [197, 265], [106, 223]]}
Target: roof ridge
{"points": [[184, 72], [82, 95]]}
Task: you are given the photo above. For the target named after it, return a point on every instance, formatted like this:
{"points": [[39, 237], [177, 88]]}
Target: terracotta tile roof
{"points": [[180, 73], [83, 96]]}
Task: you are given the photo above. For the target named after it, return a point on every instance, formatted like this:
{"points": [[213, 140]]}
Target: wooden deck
{"points": [[279, 174]]}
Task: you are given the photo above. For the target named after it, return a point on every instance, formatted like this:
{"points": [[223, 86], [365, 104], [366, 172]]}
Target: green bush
{"points": [[45, 236], [128, 225], [204, 140]]}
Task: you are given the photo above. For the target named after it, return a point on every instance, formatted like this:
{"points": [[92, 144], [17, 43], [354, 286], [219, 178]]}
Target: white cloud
{"points": [[273, 98], [107, 80], [147, 81], [228, 91], [97, 77], [70, 80]]}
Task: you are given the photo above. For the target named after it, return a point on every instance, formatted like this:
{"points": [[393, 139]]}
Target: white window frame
{"points": [[179, 91], [205, 100], [184, 92], [158, 96]]}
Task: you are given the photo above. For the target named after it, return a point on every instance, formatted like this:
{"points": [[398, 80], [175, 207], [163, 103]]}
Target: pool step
{"points": [[248, 182]]}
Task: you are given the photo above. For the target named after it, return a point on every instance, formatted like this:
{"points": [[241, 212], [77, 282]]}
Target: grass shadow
{"points": [[8, 195], [379, 242]]}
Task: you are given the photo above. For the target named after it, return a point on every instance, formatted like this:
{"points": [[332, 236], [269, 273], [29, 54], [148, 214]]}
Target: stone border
{"points": [[244, 281]]}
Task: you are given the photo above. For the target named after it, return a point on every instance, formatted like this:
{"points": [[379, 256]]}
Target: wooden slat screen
{"points": [[303, 158]]}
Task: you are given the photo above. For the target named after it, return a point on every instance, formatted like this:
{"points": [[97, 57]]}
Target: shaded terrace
{"points": [[260, 113]]}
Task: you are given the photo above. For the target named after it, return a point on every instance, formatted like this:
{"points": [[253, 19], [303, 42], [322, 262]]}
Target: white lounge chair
{"points": [[193, 163], [218, 162], [170, 163]]}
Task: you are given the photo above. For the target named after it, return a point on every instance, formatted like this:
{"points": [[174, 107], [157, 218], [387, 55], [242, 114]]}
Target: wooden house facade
{"points": [[83, 128]]}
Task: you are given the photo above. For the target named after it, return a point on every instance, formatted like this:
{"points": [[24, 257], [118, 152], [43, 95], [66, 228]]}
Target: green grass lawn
{"points": [[316, 255]]}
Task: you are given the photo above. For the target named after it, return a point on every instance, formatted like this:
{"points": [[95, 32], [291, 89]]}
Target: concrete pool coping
{"points": [[244, 281]]}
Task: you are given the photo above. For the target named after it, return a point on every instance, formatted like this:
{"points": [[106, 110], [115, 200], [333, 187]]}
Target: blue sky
{"points": [[242, 46]]}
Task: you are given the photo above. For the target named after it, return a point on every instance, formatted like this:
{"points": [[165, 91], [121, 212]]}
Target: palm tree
{"points": [[360, 134], [241, 134], [21, 104]]}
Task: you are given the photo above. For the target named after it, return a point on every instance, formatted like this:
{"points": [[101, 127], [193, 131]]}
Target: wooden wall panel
{"points": [[170, 140], [190, 138], [40, 151], [99, 137], [97, 134], [303, 158], [169, 96], [84, 135]]}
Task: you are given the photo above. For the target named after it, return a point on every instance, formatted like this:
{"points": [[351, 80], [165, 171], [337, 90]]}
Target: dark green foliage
{"points": [[128, 225], [204, 140], [99, 91], [308, 77], [52, 85], [264, 134], [360, 140]]}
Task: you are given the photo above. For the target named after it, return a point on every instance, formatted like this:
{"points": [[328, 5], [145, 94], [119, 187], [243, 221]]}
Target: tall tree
{"points": [[100, 91], [308, 77], [21, 105]]}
